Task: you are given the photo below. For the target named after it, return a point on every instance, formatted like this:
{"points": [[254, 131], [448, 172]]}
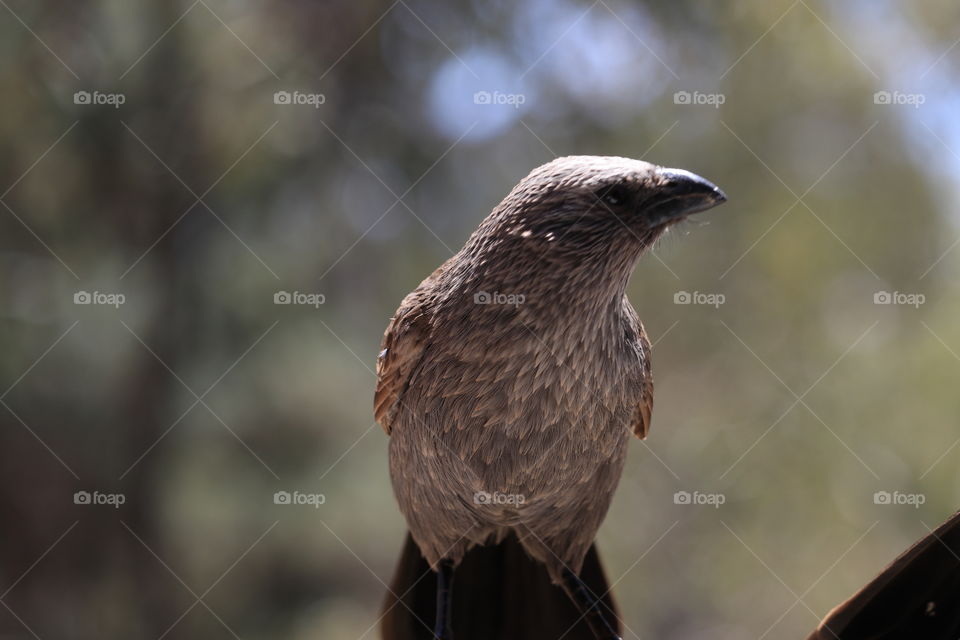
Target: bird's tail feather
{"points": [[499, 593]]}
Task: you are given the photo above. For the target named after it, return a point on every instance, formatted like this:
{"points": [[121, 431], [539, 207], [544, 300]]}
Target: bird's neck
{"points": [[576, 298]]}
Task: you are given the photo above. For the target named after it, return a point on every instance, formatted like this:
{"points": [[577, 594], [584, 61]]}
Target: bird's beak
{"points": [[683, 193]]}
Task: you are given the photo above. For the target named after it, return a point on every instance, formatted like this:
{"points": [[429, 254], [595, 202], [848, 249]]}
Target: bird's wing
{"points": [[403, 345], [637, 337]]}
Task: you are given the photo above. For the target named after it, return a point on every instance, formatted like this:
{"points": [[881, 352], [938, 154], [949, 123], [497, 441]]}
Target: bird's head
{"points": [[578, 203], [574, 228]]}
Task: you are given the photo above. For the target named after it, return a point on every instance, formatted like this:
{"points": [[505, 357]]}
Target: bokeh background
{"points": [[181, 193]]}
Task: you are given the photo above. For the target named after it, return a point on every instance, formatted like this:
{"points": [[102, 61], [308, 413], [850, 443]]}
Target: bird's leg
{"points": [[589, 605], [441, 628]]}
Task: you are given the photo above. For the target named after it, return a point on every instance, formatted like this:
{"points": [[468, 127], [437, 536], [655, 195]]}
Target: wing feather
{"points": [[637, 336], [404, 343]]}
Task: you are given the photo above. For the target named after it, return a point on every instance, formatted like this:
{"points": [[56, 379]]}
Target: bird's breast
{"points": [[529, 419]]}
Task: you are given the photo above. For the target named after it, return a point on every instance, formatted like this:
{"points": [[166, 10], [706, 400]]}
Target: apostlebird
{"points": [[510, 382]]}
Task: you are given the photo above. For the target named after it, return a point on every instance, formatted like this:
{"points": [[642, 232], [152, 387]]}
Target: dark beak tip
{"points": [[685, 183]]}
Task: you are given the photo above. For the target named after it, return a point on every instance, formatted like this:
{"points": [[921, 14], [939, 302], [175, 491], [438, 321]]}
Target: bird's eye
{"points": [[613, 196]]}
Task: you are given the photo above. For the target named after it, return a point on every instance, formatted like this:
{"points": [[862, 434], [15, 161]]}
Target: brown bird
{"points": [[510, 382]]}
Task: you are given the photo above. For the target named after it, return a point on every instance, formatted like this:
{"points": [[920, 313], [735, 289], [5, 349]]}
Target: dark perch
{"points": [[494, 608], [917, 596]]}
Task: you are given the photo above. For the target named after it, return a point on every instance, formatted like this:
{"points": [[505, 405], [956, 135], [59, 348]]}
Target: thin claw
{"points": [[589, 605], [442, 629]]}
